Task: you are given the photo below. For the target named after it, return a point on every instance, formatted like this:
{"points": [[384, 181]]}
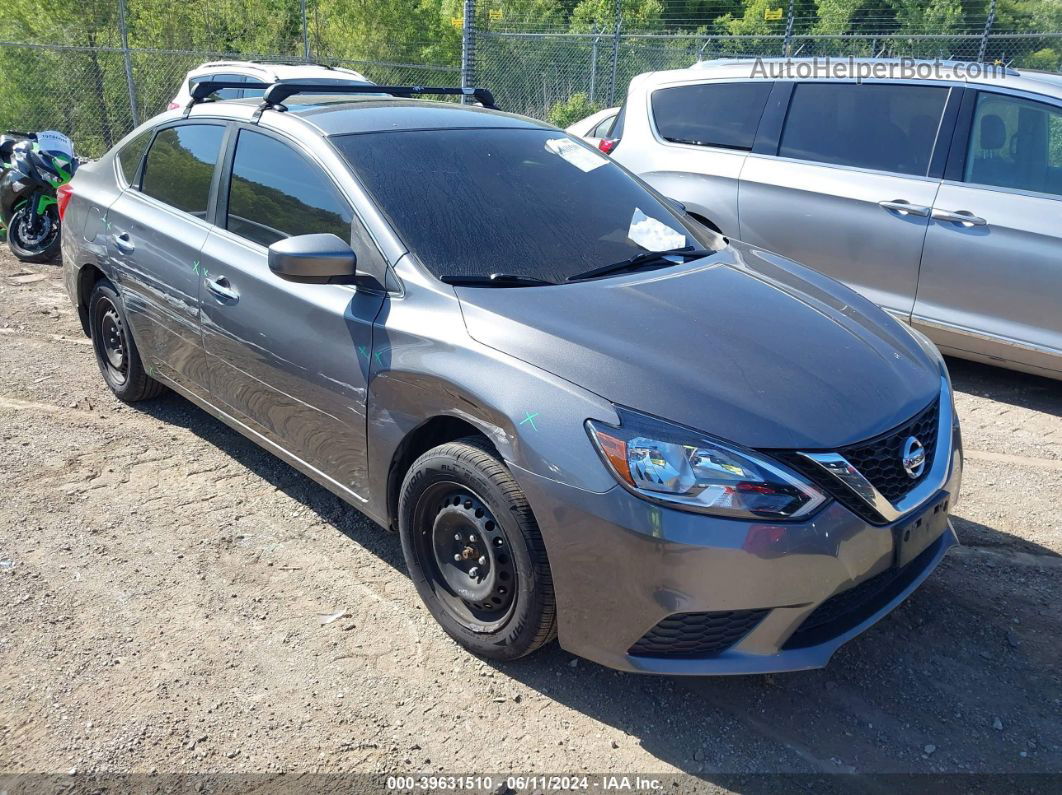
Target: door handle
{"points": [[905, 207], [964, 217], [124, 243], [222, 290]]}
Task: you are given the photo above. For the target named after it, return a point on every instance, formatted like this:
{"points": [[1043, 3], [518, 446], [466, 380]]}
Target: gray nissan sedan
{"points": [[588, 416]]}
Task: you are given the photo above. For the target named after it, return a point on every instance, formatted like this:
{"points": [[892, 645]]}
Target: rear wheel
{"points": [[116, 353], [474, 551], [34, 239]]}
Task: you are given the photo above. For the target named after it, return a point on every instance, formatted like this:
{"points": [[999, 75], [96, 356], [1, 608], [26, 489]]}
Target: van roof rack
{"points": [[279, 91]]}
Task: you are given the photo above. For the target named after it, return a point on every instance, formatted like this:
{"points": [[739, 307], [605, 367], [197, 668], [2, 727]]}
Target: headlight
{"points": [[677, 466]]}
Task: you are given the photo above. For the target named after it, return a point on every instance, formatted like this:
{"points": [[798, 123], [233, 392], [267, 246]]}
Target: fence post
{"points": [[593, 66], [305, 34], [787, 42], [989, 22], [615, 52], [468, 47], [129, 84]]}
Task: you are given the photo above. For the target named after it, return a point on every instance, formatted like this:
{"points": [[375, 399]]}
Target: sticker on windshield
{"points": [[56, 142], [653, 235], [579, 156]]}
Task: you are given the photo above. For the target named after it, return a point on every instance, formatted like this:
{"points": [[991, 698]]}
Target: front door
{"points": [[288, 359], [155, 231], [991, 279], [848, 193]]}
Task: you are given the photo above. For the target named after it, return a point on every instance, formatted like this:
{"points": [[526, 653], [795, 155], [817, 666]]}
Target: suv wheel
{"points": [[116, 353], [474, 551]]}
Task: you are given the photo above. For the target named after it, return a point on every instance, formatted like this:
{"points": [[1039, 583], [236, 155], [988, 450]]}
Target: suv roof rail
{"points": [[279, 91]]}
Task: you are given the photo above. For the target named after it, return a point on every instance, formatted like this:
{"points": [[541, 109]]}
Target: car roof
{"points": [[849, 68], [276, 71], [343, 115]]}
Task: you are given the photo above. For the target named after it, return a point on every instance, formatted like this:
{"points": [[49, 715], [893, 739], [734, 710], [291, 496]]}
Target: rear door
{"points": [[848, 189], [288, 359], [154, 232], [991, 280]]}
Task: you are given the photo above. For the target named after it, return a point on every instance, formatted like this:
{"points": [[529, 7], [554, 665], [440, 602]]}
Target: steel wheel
{"points": [[110, 340], [465, 554]]}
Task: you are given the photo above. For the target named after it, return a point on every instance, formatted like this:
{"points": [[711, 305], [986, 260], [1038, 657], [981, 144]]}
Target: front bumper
{"points": [[621, 565]]}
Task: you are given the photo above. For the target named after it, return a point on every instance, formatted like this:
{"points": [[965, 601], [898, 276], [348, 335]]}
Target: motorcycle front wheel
{"points": [[34, 245]]}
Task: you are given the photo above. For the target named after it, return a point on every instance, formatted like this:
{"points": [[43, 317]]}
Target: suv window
{"points": [[602, 128], [180, 165], [473, 202], [130, 155], [711, 114], [876, 126], [1015, 143], [221, 93], [276, 193]]}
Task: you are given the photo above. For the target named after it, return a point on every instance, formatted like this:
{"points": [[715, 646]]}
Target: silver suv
{"points": [[596, 420], [939, 198]]}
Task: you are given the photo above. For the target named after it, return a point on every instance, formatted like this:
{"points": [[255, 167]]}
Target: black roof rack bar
{"points": [[279, 91], [203, 89]]}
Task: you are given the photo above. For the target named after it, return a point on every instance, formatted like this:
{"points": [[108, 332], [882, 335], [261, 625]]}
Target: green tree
{"points": [[638, 15]]}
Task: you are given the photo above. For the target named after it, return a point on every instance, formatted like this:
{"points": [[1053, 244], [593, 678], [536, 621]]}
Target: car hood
{"points": [[743, 344]]}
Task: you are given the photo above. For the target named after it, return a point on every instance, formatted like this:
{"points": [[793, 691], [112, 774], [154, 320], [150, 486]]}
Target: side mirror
{"points": [[316, 259]]}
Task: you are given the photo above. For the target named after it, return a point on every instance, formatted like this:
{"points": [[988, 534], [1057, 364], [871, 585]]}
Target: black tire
{"points": [[44, 250], [507, 608], [116, 353]]}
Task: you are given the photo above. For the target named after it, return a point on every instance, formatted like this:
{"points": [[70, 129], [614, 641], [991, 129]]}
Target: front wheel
{"points": [[34, 239], [474, 551]]}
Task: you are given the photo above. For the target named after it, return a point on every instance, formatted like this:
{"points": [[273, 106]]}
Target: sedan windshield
{"points": [[530, 204]]}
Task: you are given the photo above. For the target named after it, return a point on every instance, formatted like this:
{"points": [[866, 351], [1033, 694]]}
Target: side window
{"points": [[601, 130], [1015, 143], [221, 93], [277, 193], [711, 114], [877, 126], [130, 155], [180, 165]]}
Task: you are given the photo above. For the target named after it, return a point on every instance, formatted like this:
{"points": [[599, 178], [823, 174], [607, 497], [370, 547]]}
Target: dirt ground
{"points": [[166, 589]]}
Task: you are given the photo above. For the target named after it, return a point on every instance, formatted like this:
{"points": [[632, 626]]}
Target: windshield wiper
{"points": [[640, 260], [496, 280]]}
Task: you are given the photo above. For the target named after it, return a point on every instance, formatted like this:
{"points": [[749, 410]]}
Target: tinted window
{"points": [[481, 201], [221, 93], [881, 127], [276, 193], [180, 165], [1016, 143], [129, 156], [713, 114]]}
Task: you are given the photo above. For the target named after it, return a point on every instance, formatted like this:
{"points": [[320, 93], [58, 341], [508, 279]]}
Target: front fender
{"points": [[425, 365]]}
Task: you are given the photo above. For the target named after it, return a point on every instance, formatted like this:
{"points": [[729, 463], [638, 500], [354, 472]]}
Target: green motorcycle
{"points": [[32, 168]]}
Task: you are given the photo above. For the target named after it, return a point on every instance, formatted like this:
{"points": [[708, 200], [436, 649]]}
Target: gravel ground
{"points": [[168, 590]]}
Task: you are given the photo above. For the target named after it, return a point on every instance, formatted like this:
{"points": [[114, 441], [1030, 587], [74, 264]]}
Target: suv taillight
{"points": [[172, 106], [62, 198], [606, 145]]}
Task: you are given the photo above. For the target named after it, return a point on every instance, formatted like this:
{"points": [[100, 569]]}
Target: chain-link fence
{"points": [[536, 73], [94, 68]]}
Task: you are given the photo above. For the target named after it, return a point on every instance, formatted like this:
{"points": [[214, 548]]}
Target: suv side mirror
{"points": [[316, 259]]}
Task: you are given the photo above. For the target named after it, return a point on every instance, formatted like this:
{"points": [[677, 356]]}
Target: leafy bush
{"points": [[570, 110]]}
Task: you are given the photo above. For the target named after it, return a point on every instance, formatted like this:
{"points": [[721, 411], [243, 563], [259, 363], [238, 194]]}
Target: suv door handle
{"points": [[905, 207], [959, 217], [124, 243], [222, 290]]}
